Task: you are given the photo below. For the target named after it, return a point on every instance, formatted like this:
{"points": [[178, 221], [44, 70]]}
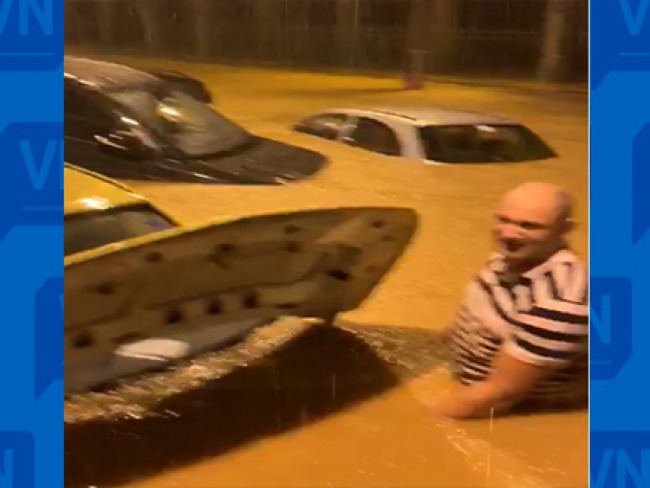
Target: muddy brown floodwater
{"points": [[344, 406]]}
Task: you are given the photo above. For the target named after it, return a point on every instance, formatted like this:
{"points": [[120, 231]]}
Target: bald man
{"points": [[520, 336]]}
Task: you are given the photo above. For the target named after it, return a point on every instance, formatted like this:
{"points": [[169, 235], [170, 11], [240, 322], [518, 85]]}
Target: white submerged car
{"points": [[429, 135]]}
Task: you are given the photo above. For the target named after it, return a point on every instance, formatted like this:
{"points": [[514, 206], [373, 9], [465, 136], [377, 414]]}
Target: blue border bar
{"points": [[620, 242], [31, 243]]}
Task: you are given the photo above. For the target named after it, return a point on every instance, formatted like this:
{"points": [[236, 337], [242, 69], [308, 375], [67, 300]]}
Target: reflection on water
{"points": [[339, 406], [322, 371]]}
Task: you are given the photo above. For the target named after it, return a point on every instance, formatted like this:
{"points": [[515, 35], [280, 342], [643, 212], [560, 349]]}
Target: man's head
{"points": [[531, 223]]}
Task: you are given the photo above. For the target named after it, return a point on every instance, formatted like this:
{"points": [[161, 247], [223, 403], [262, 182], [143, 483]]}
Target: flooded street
{"points": [[345, 406]]}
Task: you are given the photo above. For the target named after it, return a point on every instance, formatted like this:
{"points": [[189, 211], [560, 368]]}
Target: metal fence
{"points": [[496, 38]]}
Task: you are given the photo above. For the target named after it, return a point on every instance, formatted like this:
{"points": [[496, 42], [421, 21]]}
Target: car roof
{"points": [[421, 116], [104, 75], [85, 191]]}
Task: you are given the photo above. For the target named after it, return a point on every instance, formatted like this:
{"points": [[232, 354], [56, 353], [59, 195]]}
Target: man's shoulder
{"points": [[565, 276], [563, 259], [564, 256]]}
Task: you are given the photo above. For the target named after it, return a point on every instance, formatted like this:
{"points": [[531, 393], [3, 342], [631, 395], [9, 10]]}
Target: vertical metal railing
{"points": [[495, 38]]}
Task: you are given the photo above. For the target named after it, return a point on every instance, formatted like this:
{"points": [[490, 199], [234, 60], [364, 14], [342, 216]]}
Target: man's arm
{"points": [[545, 339], [509, 382]]}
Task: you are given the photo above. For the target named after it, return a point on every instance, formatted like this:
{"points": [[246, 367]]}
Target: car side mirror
{"points": [[321, 131]]}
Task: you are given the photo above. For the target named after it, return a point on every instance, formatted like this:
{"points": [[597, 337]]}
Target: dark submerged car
{"points": [[180, 81], [128, 124]]}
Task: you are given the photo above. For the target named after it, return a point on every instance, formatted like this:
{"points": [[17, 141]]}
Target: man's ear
{"points": [[568, 225]]}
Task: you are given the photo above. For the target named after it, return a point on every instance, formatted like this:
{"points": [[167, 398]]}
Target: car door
{"points": [[177, 293], [373, 135], [87, 122]]}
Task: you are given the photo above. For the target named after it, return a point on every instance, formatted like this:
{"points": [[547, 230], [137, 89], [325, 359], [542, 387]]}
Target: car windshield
{"points": [[98, 228], [482, 143], [180, 121]]}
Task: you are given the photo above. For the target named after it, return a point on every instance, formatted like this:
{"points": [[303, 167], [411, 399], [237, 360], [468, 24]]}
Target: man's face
{"points": [[527, 229]]}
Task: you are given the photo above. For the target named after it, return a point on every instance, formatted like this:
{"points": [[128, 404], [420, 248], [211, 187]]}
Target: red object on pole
{"points": [[414, 74], [413, 81]]}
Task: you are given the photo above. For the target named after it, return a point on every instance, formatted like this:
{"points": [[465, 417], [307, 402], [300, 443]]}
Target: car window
{"points": [[98, 228], [181, 121], [375, 136], [80, 106], [327, 126], [482, 143], [82, 116]]}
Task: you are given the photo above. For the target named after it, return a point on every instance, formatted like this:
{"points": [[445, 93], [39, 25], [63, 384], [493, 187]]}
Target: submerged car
{"points": [[143, 291], [429, 135], [132, 125], [100, 212], [187, 84]]}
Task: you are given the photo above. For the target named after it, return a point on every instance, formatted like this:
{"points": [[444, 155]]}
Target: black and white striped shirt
{"points": [[540, 317]]}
